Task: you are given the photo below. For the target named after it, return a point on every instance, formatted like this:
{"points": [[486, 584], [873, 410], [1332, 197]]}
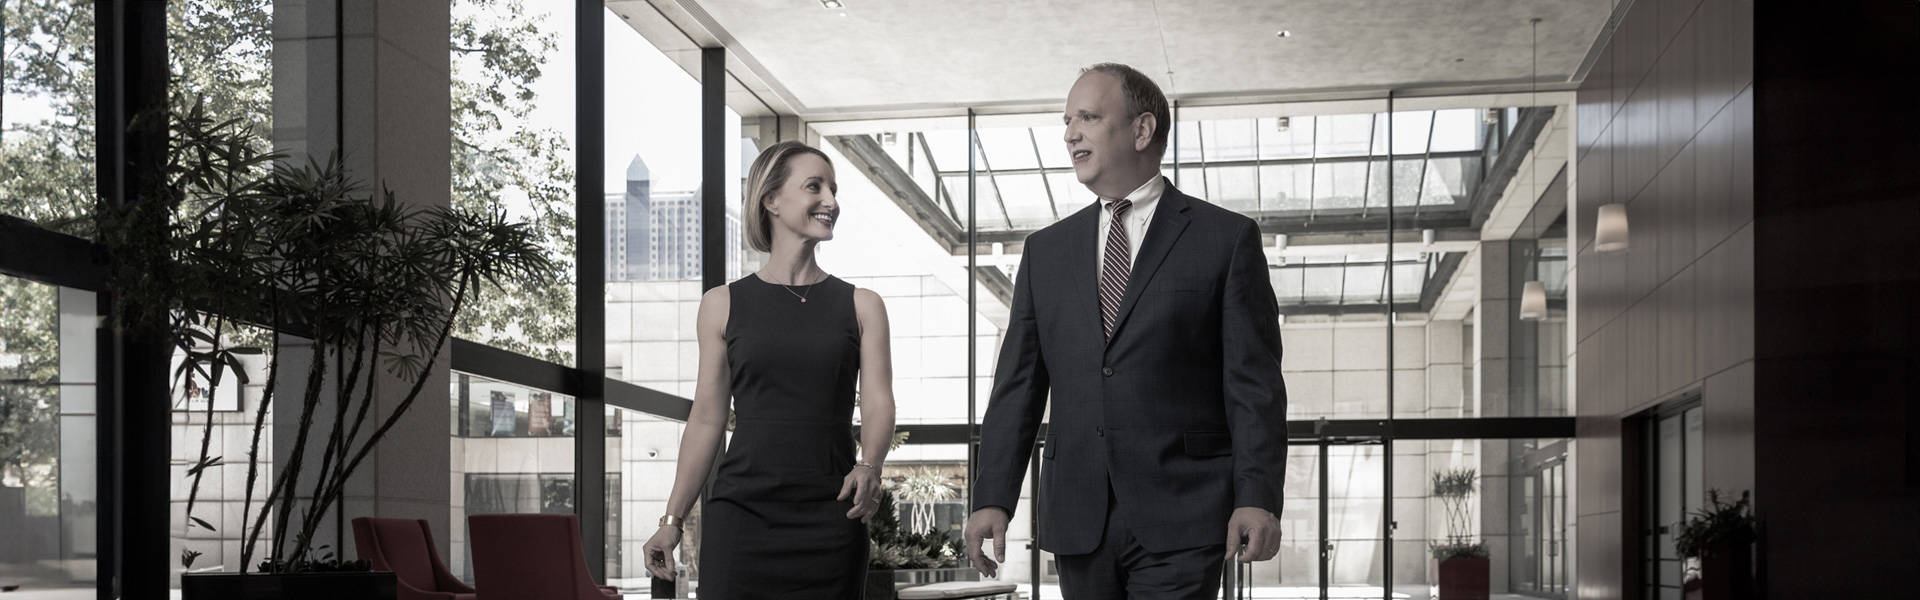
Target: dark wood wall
{"points": [[1769, 158], [1665, 126], [1837, 244]]}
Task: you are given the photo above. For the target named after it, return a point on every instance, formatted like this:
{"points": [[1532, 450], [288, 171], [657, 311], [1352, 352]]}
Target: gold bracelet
{"points": [[673, 521]]}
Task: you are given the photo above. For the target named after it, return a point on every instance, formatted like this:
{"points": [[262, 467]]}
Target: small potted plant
{"points": [[895, 548], [1460, 568], [1717, 547]]}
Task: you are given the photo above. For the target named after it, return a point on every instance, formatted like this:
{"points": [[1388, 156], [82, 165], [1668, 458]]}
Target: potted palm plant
{"points": [[1460, 568], [237, 238], [1716, 545]]}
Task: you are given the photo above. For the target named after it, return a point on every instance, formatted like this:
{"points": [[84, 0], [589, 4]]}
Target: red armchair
{"points": [[405, 546], [531, 557]]}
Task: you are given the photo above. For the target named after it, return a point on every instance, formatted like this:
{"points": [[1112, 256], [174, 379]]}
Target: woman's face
{"points": [[805, 204]]}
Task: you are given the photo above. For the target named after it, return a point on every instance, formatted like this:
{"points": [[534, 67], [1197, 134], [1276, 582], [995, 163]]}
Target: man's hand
{"points": [[990, 522], [1253, 533]]}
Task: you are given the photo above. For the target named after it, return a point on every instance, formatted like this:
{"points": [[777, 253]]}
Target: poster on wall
{"points": [[504, 417], [539, 413], [193, 389]]}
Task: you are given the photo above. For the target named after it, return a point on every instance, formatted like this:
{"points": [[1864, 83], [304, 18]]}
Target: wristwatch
{"points": [[672, 521]]}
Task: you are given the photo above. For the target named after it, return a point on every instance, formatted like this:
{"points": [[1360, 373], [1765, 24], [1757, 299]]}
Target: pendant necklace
{"points": [[801, 295]]}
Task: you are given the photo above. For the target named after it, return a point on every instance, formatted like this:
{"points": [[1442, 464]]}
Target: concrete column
{"points": [[371, 79]]}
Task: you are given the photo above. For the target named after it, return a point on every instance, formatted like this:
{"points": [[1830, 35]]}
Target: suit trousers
{"points": [[1121, 569]]}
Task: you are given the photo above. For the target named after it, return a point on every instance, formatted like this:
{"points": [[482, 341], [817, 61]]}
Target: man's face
{"points": [[1101, 137]]}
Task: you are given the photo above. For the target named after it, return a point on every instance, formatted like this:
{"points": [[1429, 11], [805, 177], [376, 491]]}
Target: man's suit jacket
{"points": [[1183, 413]]}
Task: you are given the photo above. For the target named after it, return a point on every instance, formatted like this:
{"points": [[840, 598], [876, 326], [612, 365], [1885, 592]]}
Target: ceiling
{"points": [[890, 55]]}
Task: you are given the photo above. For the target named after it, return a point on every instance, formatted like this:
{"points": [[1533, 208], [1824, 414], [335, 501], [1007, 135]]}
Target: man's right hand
{"points": [[988, 522]]}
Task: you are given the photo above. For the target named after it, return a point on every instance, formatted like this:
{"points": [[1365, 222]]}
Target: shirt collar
{"points": [[1144, 197]]}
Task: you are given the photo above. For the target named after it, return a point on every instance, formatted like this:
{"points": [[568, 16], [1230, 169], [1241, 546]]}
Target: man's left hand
{"points": [[1253, 533]]}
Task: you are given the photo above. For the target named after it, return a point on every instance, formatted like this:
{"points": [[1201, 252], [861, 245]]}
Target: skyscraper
{"points": [[627, 226], [656, 236]]}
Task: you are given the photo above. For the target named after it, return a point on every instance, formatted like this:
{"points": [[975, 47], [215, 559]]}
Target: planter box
{"points": [[879, 585], [1726, 573], [920, 576], [1461, 578], [377, 585]]}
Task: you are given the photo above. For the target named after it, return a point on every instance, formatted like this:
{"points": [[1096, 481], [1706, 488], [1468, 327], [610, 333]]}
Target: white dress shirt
{"points": [[1144, 200]]}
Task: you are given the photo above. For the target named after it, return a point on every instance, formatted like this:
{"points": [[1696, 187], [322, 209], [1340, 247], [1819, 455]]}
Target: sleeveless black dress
{"points": [[773, 528]]}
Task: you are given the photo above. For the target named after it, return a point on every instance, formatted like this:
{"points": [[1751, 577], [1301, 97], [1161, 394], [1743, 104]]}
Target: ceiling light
{"points": [[1533, 302], [1283, 124], [888, 139], [1492, 116], [843, 14], [1426, 237], [1610, 229], [832, 4], [1283, 33], [1279, 241]]}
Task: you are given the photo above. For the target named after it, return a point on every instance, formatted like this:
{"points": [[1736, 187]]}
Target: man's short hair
{"points": [[1143, 96]]}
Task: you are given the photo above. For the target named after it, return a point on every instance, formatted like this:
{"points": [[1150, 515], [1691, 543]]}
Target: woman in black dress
{"points": [[787, 515]]}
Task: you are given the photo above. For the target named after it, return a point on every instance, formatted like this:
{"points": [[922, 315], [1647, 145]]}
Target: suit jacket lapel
{"points": [[1083, 260], [1169, 220]]}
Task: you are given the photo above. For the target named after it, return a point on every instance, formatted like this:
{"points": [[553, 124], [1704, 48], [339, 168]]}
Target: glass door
{"points": [[1332, 524], [1540, 519], [1675, 487]]}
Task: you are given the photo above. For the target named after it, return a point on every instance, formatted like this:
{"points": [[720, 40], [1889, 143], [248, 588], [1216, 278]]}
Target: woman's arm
{"points": [[876, 378], [876, 405], [712, 395]]}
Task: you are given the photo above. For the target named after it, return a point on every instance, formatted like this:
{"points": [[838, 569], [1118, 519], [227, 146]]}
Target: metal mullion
{"points": [[1245, 163], [987, 165], [590, 284], [1373, 126], [1326, 545], [1201, 132], [939, 185], [973, 324], [1426, 161], [1386, 586], [1052, 205], [1345, 265]]}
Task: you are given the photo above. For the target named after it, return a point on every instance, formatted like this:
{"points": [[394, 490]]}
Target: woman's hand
{"points": [[659, 551], [863, 485]]}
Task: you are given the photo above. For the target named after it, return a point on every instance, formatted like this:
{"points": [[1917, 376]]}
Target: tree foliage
{"points": [[220, 52], [29, 405], [502, 156]]}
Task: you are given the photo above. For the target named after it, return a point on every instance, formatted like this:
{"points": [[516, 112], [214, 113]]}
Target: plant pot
{"points": [[1726, 572], [879, 584], [921, 576], [372, 585], [1461, 578]]}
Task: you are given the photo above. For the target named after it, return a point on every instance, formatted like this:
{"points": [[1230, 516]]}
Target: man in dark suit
{"points": [[1150, 318]]}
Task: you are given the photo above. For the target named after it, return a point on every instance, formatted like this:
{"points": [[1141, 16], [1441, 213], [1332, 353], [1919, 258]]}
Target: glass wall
{"points": [[654, 193], [513, 138], [512, 451], [48, 492], [642, 451], [46, 117]]}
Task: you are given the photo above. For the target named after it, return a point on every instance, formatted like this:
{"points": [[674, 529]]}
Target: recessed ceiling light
{"points": [[1283, 33], [843, 14], [832, 4]]}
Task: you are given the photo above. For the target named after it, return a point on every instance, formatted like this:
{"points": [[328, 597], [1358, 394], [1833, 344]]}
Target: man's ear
{"points": [[1144, 127]]}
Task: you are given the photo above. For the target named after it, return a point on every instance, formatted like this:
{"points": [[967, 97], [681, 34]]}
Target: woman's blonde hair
{"points": [[764, 180]]}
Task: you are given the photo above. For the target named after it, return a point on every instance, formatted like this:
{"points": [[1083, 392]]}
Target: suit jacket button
{"points": [[1100, 430], [1107, 371]]}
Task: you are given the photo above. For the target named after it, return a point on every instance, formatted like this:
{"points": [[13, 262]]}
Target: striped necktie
{"points": [[1116, 265]]}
